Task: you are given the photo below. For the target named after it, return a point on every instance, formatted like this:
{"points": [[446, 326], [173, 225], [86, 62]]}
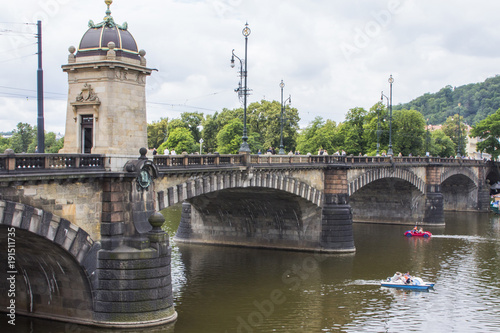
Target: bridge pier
{"points": [[483, 198], [434, 199], [336, 224], [483, 192], [134, 284], [434, 206]]}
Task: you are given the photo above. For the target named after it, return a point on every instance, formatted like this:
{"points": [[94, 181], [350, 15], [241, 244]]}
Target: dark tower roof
{"points": [[95, 40]]}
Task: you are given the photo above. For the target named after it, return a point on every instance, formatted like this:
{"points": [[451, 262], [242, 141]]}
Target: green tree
{"points": [[352, 130], [193, 121], [264, 118], [209, 133], [459, 136], [4, 144], [329, 137], [229, 137], [177, 123], [408, 132], [374, 121], [22, 137], [441, 144], [52, 145], [181, 140], [157, 132], [477, 100], [488, 131], [320, 134], [263, 125], [307, 141]]}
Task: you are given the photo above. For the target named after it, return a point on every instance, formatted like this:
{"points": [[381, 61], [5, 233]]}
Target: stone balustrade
{"points": [[21, 163]]}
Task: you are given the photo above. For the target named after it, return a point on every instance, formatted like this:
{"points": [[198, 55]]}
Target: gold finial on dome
{"points": [[108, 11], [108, 20]]}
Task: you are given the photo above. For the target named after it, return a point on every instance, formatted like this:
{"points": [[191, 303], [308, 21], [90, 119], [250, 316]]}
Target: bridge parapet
{"points": [[169, 161], [25, 163], [19, 163], [166, 161]]}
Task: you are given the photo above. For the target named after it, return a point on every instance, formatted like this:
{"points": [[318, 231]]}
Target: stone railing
{"points": [[20, 163], [357, 160], [185, 161]]}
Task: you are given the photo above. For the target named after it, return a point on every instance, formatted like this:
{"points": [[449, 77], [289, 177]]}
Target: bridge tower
{"points": [[106, 112]]}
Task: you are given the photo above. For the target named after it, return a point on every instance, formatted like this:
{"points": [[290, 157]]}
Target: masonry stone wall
{"points": [[312, 177], [71, 199]]}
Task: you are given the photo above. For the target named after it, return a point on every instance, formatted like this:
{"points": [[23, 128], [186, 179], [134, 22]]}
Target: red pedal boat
{"points": [[417, 233]]}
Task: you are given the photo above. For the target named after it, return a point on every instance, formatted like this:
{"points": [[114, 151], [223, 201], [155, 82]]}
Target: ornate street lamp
{"points": [[389, 150], [243, 92], [379, 131], [282, 118]]}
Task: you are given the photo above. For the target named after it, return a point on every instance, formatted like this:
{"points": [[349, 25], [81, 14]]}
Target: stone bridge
{"points": [[106, 262], [269, 196]]}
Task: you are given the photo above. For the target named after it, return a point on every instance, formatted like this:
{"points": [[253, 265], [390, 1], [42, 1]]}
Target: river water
{"points": [[225, 289]]}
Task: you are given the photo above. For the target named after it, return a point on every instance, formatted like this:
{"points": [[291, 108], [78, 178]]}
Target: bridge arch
{"points": [[209, 183], [382, 173], [55, 263], [460, 172], [257, 209], [461, 190]]}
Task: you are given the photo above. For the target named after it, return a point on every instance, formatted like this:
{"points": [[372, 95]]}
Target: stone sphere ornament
{"points": [[156, 220]]}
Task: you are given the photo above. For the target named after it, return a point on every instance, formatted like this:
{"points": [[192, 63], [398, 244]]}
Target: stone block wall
{"points": [[336, 221], [116, 215], [135, 286], [79, 201], [336, 181]]}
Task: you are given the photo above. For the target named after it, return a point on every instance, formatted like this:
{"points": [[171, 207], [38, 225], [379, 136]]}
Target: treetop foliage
{"points": [[24, 140]]}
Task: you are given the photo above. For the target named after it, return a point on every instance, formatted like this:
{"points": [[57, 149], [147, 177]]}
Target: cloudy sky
{"points": [[332, 55]]}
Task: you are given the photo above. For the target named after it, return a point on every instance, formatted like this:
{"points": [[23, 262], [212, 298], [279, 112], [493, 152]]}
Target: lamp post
{"points": [[282, 118], [379, 131], [459, 132], [389, 150], [244, 148], [427, 139], [39, 74]]}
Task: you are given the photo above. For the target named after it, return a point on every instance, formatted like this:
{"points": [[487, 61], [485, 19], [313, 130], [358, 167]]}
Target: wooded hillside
{"points": [[476, 100]]}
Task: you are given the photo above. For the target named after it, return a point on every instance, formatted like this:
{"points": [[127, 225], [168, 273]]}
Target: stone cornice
{"points": [[107, 63]]}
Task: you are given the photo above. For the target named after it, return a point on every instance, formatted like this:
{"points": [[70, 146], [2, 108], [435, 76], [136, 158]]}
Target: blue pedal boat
{"points": [[415, 284]]}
